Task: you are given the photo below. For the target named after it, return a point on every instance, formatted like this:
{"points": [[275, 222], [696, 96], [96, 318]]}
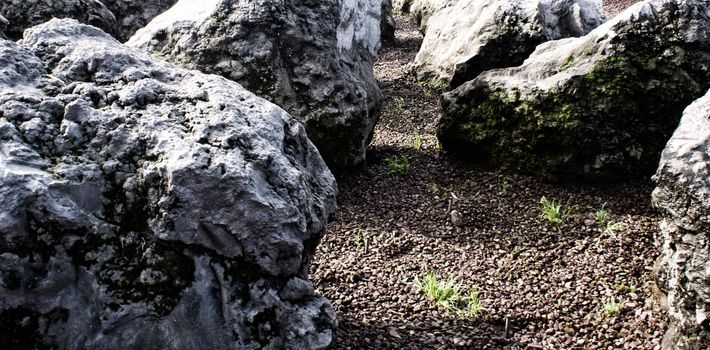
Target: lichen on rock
{"points": [[598, 107]]}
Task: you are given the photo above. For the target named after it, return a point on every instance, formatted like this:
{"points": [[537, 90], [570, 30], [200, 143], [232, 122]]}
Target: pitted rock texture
{"points": [[132, 15], [683, 196], [598, 107], [313, 58], [120, 18], [150, 207], [465, 38], [22, 14]]}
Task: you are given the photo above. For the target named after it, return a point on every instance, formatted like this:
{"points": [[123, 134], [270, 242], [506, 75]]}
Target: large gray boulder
{"points": [[465, 38], [22, 14], [683, 196], [132, 15], [313, 58], [120, 18], [600, 107], [150, 207]]}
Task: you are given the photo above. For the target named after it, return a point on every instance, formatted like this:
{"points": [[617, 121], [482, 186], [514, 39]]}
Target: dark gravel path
{"points": [[549, 286], [613, 7]]}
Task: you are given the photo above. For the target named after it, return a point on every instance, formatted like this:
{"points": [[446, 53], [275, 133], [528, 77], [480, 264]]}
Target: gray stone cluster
{"points": [[683, 196], [150, 207]]}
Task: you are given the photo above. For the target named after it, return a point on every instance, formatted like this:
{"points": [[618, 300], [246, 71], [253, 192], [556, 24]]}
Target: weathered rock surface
{"points": [[387, 23], [132, 15], [599, 106], [120, 18], [683, 196], [313, 58], [150, 207], [422, 10], [22, 14], [465, 38]]}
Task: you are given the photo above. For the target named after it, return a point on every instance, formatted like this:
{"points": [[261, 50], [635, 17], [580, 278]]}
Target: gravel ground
{"points": [[613, 7], [541, 287]]}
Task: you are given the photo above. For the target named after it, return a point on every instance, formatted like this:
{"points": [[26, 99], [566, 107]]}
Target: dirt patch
{"points": [[541, 287]]}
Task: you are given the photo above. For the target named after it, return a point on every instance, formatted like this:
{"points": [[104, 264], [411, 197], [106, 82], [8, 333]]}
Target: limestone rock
{"points": [[150, 207], [599, 106], [313, 58], [465, 38], [22, 14], [423, 10], [132, 15], [387, 23], [683, 196]]}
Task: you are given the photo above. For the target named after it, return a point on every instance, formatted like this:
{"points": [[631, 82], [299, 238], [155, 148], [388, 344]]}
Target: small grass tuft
{"points": [[504, 186], [418, 142], [554, 212], [630, 289], [446, 294], [614, 227], [360, 238], [397, 165], [603, 216], [474, 308], [449, 295], [612, 308], [399, 104]]}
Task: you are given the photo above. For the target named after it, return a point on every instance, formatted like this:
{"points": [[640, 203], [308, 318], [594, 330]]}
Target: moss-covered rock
{"points": [[599, 106]]}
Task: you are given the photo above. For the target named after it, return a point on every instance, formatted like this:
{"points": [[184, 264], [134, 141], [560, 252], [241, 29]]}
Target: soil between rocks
{"points": [[541, 287]]}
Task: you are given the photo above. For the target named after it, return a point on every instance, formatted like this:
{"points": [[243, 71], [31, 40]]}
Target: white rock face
{"points": [[146, 206], [600, 106], [683, 196], [360, 25], [313, 58], [465, 38]]}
